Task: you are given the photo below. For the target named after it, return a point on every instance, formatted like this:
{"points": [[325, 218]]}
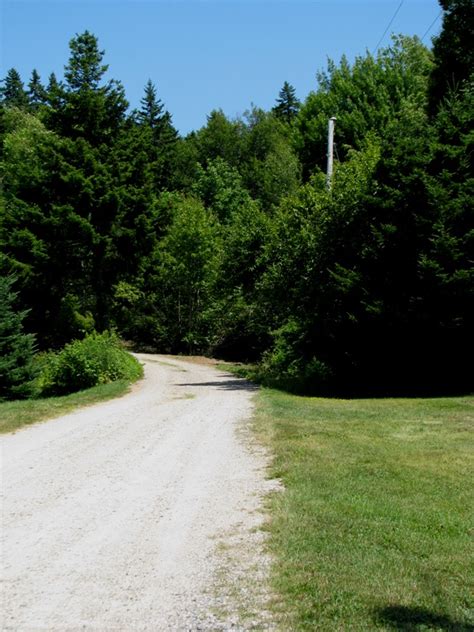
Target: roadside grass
{"points": [[372, 530], [19, 413]]}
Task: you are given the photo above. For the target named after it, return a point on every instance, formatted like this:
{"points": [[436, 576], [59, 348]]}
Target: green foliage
{"points": [[37, 94], [364, 97], [16, 347], [453, 52], [285, 365], [186, 269], [13, 92], [97, 359], [310, 283], [228, 241], [287, 106], [84, 69], [83, 107], [220, 188]]}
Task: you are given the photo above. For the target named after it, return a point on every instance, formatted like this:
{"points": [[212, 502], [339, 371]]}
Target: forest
{"points": [[228, 241]]}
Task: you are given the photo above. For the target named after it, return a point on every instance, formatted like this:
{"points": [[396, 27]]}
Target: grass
{"points": [[372, 530], [16, 414]]}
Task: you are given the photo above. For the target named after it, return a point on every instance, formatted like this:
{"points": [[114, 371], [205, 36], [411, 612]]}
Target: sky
{"points": [[207, 54]]}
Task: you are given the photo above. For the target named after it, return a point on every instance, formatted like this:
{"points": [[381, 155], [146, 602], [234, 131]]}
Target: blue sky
{"points": [[206, 54]]}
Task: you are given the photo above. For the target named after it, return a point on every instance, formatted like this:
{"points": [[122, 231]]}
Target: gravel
{"points": [[143, 513]]}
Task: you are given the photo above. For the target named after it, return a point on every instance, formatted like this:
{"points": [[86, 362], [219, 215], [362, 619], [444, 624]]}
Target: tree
{"points": [[220, 188], [16, 347], [37, 94], [219, 138], [84, 69], [158, 136], [453, 51], [287, 106], [365, 97], [152, 108], [86, 108], [179, 284], [13, 92], [270, 167]]}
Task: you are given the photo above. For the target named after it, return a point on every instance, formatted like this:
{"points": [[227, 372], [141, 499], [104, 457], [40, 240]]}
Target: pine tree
{"points": [[287, 106], [453, 51], [13, 92], [53, 84], [36, 91], [89, 108], [151, 112], [153, 115], [54, 92], [84, 69], [16, 347]]}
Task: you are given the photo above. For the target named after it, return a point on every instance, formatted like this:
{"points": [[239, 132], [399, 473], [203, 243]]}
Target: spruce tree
{"points": [[54, 92], [85, 106], [151, 111], [287, 106], [13, 92], [36, 91], [153, 115], [453, 51], [16, 347], [84, 69]]}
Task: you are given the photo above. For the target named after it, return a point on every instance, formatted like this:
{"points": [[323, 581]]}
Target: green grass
{"points": [[16, 414], [372, 530]]}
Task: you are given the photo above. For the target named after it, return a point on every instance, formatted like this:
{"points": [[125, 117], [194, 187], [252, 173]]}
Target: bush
{"points": [[97, 359], [285, 365], [16, 347]]}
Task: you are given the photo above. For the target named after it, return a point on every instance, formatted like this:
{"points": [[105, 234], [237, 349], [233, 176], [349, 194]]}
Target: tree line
{"points": [[227, 241]]}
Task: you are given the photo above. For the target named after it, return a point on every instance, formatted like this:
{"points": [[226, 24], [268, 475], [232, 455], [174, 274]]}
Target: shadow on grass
{"points": [[411, 619], [347, 389], [229, 384]]}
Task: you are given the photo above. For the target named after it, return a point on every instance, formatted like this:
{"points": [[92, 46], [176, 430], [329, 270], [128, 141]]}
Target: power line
{"points": [[389, 25], [431, 25]]}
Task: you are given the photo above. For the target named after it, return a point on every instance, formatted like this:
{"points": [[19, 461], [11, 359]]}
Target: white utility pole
{"points": [[332, 122]]}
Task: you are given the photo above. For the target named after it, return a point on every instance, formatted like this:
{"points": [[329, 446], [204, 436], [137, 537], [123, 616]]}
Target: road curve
{"points": [[139, 513]]}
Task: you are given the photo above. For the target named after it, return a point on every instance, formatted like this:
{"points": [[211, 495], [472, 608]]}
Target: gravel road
{"points": [[141, 513]]}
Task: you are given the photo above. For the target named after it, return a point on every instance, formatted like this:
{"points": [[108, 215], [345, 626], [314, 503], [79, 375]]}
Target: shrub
{"points": [[16, 346], [97, 359], [285, 365]]}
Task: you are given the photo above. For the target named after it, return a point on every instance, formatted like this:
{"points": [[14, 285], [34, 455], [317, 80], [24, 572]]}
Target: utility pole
{"points": [[332, 122]]}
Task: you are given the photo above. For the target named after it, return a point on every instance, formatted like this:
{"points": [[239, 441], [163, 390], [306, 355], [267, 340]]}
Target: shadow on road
{"points": [[229, 384]]}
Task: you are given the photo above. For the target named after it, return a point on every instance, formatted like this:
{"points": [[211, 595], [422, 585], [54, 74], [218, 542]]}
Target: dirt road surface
{"points": [[138, 514]]}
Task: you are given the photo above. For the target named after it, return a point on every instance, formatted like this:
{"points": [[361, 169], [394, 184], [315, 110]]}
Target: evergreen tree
{"points": [[453, 51], [53, 87], [151, 112], [36, 92], [88, 109], [153, 115], [13, 92], [84, 69], [54, 96], [287, 106], [16, 347]]}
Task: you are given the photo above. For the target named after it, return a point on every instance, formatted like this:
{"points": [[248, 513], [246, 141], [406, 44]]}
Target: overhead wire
{"points": [[431, 25], [388, 26]]}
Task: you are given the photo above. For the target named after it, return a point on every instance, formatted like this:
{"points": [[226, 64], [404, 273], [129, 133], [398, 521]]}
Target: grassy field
{"points": [[372, 530], [16, 414]]}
